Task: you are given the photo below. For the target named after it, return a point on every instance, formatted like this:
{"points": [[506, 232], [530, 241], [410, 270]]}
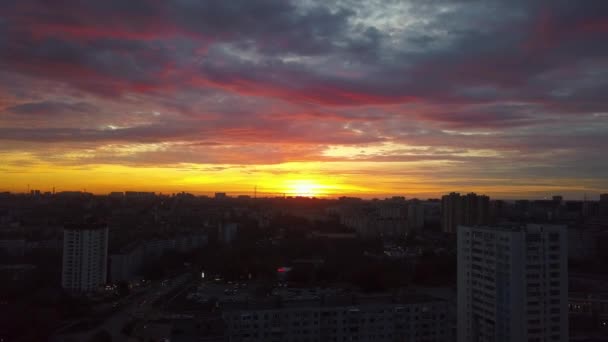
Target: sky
{"points": [[310, 97]]}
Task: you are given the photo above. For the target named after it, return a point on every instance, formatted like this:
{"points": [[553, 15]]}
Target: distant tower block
{"points": [[85, 254]]}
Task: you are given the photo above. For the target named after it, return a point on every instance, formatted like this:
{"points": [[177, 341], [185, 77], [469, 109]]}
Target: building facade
{"points": [[512, 283], [603, 205], [588, 314], [415, 216], [228, 232], [470, 210], [126, 263], [85, 253], [417, 318]]}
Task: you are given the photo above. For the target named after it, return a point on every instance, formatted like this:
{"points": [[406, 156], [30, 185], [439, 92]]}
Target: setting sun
{"points": [[304, 188]]}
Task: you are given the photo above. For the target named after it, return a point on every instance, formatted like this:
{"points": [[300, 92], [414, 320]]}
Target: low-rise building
{"points": [[588, 313], [339, 318], [126, 263], [13, 247]]}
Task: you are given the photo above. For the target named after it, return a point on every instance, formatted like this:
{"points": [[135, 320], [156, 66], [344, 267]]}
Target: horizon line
{"points": [[278, 194]]}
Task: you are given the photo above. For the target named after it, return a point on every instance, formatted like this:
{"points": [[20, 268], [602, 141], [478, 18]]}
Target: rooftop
{"points": [[85, 226], [343, 300]]}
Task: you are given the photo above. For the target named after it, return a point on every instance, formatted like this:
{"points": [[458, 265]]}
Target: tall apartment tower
{"points": [[512, 283], [470, 210], [451, 212], [604, 204], [85, 254], [415, 216], [476, 209]]}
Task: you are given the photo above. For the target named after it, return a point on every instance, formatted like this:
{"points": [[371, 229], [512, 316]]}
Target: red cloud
{"points": [[307, 93]]}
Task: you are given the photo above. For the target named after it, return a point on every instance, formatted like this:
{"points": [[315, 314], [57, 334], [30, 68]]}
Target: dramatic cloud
{"points": [[507, 91]]}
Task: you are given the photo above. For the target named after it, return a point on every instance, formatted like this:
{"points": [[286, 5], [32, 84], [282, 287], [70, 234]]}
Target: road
{"points": [[139, 307]]}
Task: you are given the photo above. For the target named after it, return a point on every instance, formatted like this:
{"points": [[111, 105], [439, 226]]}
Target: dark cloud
{"points": [[52, 108], [358, 63], [521, 81]]}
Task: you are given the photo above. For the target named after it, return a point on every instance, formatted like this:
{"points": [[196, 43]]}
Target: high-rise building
{"points": [[471, 210], [512, 283], [415, 216], [604, 204], [451, 212], [476, 209], [85, 253], [498, 210]]}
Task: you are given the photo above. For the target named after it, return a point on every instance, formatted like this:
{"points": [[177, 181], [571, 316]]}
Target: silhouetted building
{"points": [[498, 210], [588, 313], [451, 212], [415, 216], [228, 232], [512, 283], [583, 243], [471, 210], [351, 318], [476, 209], [126, 263], [387, 219], [14, 246], [116, 194], [604, 204], [85, 253], [182, 243], [138, 195]]}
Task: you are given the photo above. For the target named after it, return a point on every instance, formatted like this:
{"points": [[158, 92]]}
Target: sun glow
{"points": [[305, 188]]}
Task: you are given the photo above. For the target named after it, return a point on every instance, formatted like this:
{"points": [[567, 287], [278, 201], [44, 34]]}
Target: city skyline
{"points": [[301, 192], [313, 98]]}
